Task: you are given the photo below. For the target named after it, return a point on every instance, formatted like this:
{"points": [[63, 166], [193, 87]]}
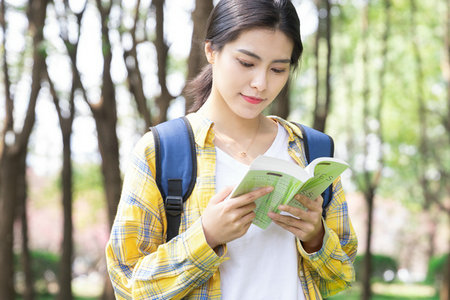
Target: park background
{"points": [[81, 81]]}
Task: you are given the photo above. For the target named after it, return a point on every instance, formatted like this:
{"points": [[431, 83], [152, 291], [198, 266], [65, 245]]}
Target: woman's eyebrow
{"points": [[249, 53]]}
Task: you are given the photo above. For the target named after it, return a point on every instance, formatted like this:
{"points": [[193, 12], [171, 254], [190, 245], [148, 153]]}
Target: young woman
{"points": [[252, 48]]}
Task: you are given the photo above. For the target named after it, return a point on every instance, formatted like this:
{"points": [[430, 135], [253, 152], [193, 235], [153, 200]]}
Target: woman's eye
{"points": [[245, 64], [276, 70]]}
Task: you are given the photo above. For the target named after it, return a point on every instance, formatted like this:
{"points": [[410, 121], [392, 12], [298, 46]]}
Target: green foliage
{"points": [[87, 177], [87, 180], [42, 261], [177, 65], [436, 268], [44, 268], [88, 192], [380, 264]]}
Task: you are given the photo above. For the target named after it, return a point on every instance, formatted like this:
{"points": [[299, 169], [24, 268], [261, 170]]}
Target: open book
{"points": [[288, 179]]}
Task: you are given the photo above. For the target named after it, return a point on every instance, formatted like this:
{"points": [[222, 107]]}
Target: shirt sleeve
{"points": [[331, 268], [140, 264]]}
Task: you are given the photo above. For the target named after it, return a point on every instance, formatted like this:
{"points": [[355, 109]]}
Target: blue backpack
{"points": [[176, 164]]}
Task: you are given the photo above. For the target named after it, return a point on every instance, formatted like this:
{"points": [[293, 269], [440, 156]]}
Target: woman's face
{"points": [[249, 72]]}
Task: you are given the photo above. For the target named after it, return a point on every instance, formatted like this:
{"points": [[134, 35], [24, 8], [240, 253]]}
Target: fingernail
{"points": [[269, 188]]}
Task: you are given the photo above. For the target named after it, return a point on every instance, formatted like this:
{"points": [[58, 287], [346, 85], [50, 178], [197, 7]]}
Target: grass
{"points": [[52, 297], [383, 291]]}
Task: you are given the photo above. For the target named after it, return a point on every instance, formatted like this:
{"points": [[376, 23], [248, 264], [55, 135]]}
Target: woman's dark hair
{"points": [[229, 19]]}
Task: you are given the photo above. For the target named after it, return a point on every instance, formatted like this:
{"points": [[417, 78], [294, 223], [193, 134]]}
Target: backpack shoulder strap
{"points": [[318, 144], [176, 168]]}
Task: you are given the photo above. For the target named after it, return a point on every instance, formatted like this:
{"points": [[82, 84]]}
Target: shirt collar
{"points": [[202, 128], [292, 129]]}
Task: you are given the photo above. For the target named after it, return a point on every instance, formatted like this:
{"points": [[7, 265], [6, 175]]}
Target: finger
{"points": [[298, 232], [294, 225], [287, 220], [222, 195], [248, 218], [314, 205], [319, 200], [250, 197], [295, 211], [245, 209], [291, 221]]}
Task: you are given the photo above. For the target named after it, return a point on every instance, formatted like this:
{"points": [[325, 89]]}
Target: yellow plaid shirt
{"points": [[142, 266]]}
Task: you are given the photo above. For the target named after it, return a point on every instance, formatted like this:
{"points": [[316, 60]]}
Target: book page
{"points": [[325, 172], [284, 187], [287, 179], [280, 165]]}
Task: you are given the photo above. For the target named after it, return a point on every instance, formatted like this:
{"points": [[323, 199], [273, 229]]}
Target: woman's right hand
{"points": [[224, 221]]}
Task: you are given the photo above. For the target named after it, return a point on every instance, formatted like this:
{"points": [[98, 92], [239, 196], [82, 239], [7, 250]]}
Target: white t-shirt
{"points": [[262, 264]]}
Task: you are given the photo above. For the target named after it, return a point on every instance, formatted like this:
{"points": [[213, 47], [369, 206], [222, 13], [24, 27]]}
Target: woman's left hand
{"points": [[306, 225]]}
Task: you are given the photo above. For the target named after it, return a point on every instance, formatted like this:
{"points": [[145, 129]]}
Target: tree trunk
{"points": [[371, 178], [322, 121], [66, 119], [108, 291], [163, 101], [317, 60], [446, 68], [428, 195], [366, 186], [444, 292], [445, 287], [28, 293], [8, 195], [65, 264], [109, 151], [322, 105], [197, 57], [105, 116], [13, 153], [367, 263]]}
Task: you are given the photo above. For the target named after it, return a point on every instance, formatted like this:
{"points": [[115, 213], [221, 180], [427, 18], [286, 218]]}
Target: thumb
{"points": [[222, 195]]}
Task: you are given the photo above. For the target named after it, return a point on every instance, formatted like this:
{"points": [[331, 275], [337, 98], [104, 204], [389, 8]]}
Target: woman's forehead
{"points": [[263, 42]]}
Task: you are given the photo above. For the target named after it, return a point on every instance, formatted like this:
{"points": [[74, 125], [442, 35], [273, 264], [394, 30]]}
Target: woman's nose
{"points": [[259, 81]]}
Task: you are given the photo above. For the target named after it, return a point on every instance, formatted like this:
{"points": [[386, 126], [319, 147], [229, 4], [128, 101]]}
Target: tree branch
{"points": [[9, 103], [39, 9], [72, 48], [135, 81]]}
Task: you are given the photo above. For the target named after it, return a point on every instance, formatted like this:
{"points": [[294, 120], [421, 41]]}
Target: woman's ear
{"points": [[209, 52]]}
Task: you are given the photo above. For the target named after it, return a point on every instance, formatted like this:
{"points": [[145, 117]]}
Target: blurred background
{"points": [[82, 80]]}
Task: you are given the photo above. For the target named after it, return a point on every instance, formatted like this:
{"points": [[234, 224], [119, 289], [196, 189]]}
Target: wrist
{"points": [[209, 237], [315, 243]]}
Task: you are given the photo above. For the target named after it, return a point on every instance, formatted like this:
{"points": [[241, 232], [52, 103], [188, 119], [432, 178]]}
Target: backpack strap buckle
{"points": [[174, 205]]}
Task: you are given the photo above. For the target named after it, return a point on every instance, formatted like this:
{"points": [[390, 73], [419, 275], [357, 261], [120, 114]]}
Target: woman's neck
{"points": [[227, 122], [244, 139]]}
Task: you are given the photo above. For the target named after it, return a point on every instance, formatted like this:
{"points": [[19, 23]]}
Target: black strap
{"points": [[173, 206]]}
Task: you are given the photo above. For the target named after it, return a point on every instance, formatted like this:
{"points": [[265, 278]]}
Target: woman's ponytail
{"points": [[199, 88]]}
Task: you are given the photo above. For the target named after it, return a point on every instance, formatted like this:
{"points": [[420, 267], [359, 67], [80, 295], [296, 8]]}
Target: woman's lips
{"points": [[252, 100]]}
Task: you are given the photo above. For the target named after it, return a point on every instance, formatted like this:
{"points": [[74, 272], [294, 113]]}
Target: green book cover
{"points": [[288, 179]]}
